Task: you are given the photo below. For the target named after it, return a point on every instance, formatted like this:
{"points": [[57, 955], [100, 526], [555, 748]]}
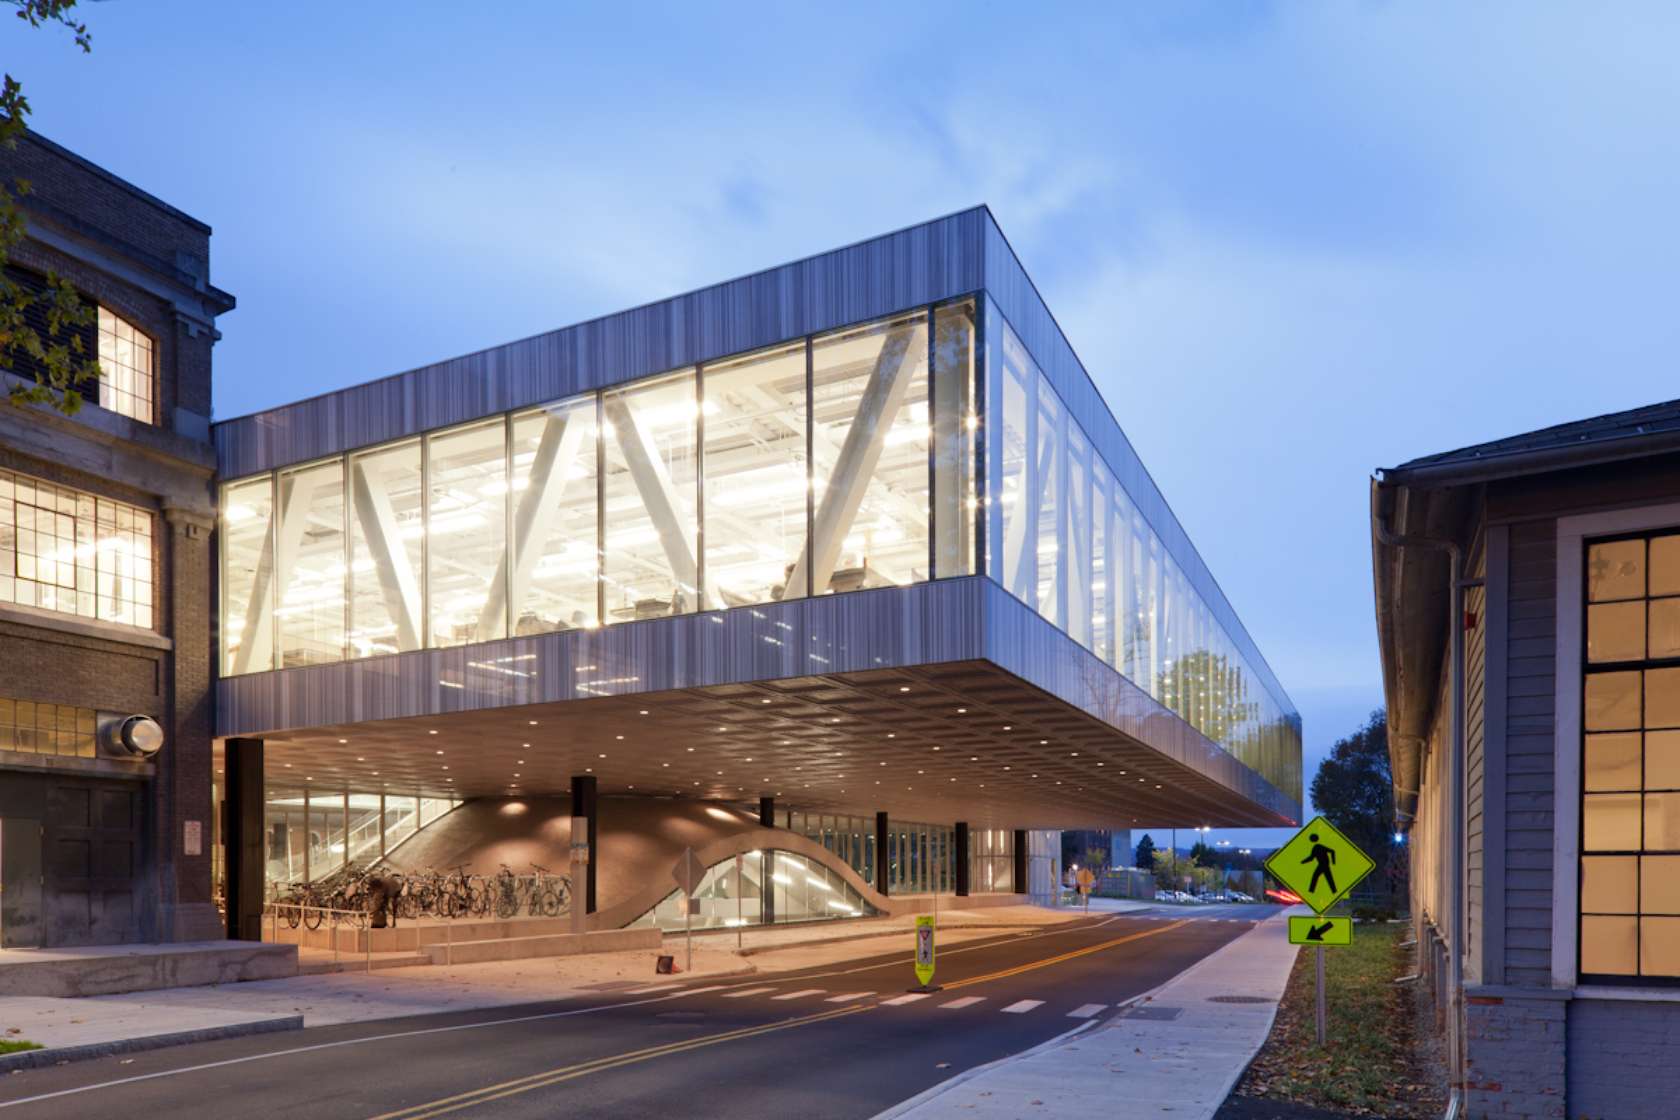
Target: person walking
{"points": [[1325, 859]]}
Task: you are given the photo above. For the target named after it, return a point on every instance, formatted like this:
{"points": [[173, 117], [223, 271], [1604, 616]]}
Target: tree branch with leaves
{"points": [[43, 326]]}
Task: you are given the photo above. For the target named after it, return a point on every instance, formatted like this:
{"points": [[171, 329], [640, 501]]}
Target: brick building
{"points": [[105, 578], [1528, 611]]}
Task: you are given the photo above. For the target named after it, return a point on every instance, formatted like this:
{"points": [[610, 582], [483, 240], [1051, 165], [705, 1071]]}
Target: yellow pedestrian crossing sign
{"points": [[1317, 930], [1319, 864]]}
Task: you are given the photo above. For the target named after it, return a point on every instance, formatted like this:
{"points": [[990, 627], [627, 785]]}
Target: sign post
{"points": [[1321, 866], [924, 953], [1086, 877], [580, 872], [688, 874]]}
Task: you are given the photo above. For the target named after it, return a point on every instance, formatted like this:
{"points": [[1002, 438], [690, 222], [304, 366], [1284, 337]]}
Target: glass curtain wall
{"points": [[991, 860], [834, 463], [312, 834], [1066, 539], [732, 894]]}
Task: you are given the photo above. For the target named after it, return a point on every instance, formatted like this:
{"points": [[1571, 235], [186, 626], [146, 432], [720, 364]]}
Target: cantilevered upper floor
{"points": [[841, 474]]}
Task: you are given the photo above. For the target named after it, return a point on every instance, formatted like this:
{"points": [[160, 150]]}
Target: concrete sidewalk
{"points": [[1177, 1051]]}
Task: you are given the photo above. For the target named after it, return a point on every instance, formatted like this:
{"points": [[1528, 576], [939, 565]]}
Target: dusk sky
{"points": [[1291, 243]]}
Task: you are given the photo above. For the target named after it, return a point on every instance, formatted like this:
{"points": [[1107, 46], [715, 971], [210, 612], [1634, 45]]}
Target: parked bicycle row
{"points": [[384, 894]]}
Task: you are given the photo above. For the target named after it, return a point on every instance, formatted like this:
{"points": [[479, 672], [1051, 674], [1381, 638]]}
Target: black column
{"points": [[1020, 861], [962, 859], [881, 852], [242, 837], [583, 805], [767, 861]]}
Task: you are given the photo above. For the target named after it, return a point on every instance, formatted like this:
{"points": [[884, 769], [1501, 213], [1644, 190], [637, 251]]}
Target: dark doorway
{"points": [[20, 883]]}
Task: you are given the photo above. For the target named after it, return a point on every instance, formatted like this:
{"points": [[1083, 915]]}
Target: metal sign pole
{"points": [[688, 932], [739, 920], [1322, 1018]]}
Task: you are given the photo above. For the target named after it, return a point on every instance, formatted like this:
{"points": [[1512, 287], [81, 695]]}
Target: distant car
{"points": [[1165, 896], [1239, 896], [1184, 896]]}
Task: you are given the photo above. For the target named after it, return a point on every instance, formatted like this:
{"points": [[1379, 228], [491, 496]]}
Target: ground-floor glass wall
{"points": [[732, 893]]}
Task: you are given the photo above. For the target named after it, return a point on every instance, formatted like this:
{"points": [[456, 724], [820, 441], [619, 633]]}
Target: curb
{"points": [[58, 1055], [907, 932]]}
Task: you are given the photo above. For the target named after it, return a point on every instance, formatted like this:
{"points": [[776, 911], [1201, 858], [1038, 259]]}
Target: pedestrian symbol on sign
{"points": [[1323, 860]]}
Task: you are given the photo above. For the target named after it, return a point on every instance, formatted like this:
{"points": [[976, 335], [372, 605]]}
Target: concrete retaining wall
{"points": [[101, 971]]}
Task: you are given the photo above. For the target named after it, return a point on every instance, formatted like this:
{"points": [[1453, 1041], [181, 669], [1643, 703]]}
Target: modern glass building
{"points": [[857, 533]]}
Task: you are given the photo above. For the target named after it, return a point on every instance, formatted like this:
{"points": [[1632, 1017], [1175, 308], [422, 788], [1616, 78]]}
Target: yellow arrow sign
{"points": [[1315, 930], [1319, 864]]}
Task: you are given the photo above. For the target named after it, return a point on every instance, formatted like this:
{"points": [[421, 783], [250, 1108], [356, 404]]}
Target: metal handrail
{"points": [[357, 918]]}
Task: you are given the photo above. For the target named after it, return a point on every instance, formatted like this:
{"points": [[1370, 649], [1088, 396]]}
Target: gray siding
{"points": [[1529, 777]]}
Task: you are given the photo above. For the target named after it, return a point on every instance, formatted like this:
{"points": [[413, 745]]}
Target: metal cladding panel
{"points": [[1014, 294], [923, 624], [913, 267], [1023, 643]]}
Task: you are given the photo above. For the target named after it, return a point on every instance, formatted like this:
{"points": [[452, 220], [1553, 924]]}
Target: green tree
{"points": [[1145, 855], [1354, 788], [41, 325], [1201, 855]]}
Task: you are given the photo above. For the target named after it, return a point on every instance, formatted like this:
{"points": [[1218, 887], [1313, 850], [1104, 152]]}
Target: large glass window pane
{"points": [[309, 622], [247, 576], [1612, 701], [1106, 568], [1610, 822], [756, 482], [1051, 533], [1610, 884], [1615, 570], [466, 532], [1659, 885], [1662, 697], [1659, 946], [870, 442], [955, 423], [1609, 945], [1616, 631], [1612, 761], [1011, 435], [649, 568], [1076, 553], [1662, 822], [1662, 760], [1664, 559], [556, 518], [387, 549], [1663, 634]]}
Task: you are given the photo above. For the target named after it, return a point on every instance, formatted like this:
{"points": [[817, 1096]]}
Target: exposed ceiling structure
{"points": [[959, 741]]}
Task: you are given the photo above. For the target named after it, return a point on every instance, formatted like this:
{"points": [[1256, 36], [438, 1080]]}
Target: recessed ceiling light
{"points": [[446, 767], [892, 735], [974, 758], [667, 765], [309, 779], [287, 765], [1006, 727], [525, 746], [749, 760], [962, 711], [344, 740], [1044, 742], [904, 688], [432, 732], [440, 752], [532, 722], [643, 712], [618, 736], [766, 701]]}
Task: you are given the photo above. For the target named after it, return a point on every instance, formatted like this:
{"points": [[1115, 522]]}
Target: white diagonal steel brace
{"points": [[883, 395], [397, 580], [295, 492], [659, 496], [1016, 528], [539, 508]]}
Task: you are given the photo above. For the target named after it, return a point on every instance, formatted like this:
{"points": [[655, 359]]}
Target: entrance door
{"points": [[20, 883]]}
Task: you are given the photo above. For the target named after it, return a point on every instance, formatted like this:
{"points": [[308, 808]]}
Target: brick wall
{"points": [[1624, 1059], [1515, 1057]]}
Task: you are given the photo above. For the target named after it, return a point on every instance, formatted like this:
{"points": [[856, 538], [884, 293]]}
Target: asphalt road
{"points": [[813, 1044]]}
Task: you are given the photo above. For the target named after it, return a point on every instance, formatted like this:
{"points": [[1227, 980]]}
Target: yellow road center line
{"points": [[612, 1061], [1048, 961]]}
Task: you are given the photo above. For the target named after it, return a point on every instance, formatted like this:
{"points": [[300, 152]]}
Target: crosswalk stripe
{"points": [[744, 992], [801, 993], [847, 997], [908, 997], [1085, 1011], [697, 991], [654, 988], [1021, 1007], [966, 1001]]}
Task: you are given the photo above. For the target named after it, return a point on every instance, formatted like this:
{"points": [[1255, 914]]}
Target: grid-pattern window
{"points": [[125, 360], [62, 550], [56, 729], [1630, 764]]}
